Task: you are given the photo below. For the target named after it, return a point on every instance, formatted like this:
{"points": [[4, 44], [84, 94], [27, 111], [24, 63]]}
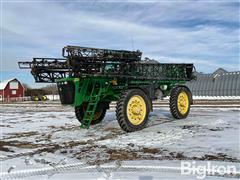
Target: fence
{"points": [[53, 97], [28, 98], [16, 99]]}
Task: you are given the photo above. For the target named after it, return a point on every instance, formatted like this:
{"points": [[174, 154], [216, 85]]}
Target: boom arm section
{"points": [[96, 54], [84, 61], [46, 70]]}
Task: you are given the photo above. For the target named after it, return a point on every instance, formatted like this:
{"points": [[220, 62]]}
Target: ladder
{"points": [[94, 99]]}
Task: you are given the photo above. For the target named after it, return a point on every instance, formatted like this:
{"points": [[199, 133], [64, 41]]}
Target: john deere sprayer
{"points": [[90, 79]]}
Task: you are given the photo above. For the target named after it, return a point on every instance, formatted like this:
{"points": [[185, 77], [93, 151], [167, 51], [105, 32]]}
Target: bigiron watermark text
{"points": [[206, 168]]}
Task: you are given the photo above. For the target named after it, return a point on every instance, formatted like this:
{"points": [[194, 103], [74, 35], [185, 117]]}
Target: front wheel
{"points": [[180, 102], [132, 110], [97, 118]]}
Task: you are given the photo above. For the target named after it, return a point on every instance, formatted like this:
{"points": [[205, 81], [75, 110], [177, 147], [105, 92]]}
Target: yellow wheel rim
{"points": [[183, 103], [136, 110], [97, 115]]}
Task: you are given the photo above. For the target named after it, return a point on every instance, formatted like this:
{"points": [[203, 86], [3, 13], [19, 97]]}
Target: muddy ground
{"points": [[47, 133]]}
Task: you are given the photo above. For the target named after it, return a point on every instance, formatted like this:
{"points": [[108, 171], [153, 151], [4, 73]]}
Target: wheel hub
{"points": [[183, 102], [136, 110]]}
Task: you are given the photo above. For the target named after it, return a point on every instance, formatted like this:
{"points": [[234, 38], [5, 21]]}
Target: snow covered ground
{"points": [[46, 135]]}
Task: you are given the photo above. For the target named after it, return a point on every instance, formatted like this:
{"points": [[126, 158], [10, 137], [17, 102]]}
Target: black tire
{"points": [[79, 112], [121, 110], [173, 102]]}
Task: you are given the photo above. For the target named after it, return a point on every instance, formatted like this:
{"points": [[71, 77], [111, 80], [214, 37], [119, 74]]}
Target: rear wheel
{"points": [[180, 102], [132, 110], [97, 118]]}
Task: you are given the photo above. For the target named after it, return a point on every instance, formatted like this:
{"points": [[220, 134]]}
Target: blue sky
{"points": [[203, 32]]}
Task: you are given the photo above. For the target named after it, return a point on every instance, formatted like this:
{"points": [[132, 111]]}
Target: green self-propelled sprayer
{"points": [[91, 78]]}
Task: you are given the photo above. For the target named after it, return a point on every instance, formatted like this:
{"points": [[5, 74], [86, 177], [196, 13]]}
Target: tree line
{"points": [[47, 90]]}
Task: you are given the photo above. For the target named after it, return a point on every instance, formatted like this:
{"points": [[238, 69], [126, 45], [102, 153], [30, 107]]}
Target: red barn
{"points": [[11, 88]]}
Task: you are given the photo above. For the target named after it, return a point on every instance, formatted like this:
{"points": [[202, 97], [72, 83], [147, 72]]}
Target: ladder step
{"points": [[85, 126], [91, 103]]}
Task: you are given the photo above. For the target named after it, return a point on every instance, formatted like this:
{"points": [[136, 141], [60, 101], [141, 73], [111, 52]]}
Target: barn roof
{"points": [[3, 84], [220, 83], [219, 71]]}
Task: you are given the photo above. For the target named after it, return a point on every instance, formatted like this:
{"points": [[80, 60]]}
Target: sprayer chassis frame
{"points": [[113, 87]]}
